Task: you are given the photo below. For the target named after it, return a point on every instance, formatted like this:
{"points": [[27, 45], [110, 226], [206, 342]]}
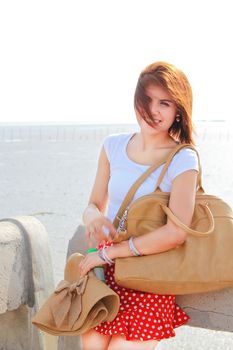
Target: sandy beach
{"points": [[48, 172]]}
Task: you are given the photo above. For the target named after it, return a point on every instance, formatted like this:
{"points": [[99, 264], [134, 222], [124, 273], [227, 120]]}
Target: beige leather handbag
{"points": [[203, 263]]}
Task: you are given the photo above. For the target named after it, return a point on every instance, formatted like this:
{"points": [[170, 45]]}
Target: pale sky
{"points": [[79, 61]]}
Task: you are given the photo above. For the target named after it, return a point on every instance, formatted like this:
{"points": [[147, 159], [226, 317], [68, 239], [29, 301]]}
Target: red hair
{"points": [[175, 82]]}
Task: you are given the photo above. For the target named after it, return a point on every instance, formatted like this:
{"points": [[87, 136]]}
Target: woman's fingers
{"points": [[109, 230], [101, 230], [91, 232]]}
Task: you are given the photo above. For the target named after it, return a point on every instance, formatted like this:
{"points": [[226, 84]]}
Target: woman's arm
{"points": [[168, 236], [182, 201], [93, 215], [98, 198]]}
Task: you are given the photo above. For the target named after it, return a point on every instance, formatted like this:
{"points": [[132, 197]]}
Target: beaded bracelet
{"points": [[100, 254], [103, 256], [106, 257], [133, 249]]}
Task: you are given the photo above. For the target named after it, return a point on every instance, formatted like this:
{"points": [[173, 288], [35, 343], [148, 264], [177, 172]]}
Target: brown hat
{"points": [[77, 304]]}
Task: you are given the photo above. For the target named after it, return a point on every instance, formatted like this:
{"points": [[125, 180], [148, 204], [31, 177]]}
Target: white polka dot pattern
{"points": [[142, 316]]}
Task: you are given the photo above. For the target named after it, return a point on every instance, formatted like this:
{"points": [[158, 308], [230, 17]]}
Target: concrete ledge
{"points": [[212, 310], [26, 279]]}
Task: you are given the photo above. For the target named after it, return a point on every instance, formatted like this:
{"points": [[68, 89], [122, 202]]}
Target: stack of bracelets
{"points": [[103, 255]]}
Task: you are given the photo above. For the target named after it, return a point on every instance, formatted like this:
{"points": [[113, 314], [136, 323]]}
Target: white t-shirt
{"points": [[124, 172]]}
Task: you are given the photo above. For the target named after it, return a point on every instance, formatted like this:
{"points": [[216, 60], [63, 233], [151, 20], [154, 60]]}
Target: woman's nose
{"points": [[154, 108]]}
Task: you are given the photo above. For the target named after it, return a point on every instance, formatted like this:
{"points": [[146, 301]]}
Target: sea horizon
{"points": [[3, 124], [20, 132]]}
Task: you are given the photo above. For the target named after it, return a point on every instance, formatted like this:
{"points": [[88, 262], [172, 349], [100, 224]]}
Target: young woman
{"points": [[163, 106]]}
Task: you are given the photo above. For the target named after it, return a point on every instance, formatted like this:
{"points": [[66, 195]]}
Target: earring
{"points": [[178, 117]]}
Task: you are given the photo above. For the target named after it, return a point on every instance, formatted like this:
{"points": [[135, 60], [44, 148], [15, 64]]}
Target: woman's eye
{"points": [[165, 103]]}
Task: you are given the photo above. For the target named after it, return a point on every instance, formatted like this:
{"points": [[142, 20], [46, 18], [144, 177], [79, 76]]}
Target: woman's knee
{"points": [[119, 343], [93, 340]]}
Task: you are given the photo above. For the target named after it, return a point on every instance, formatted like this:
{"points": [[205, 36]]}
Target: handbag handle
{"points": [[129, 196], [187, 229]]}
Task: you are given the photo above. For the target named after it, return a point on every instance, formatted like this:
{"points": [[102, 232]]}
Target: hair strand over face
{"points": [[175, 82]]}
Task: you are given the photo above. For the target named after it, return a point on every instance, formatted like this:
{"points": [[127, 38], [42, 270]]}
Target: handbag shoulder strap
{"points": [[167, 160]]}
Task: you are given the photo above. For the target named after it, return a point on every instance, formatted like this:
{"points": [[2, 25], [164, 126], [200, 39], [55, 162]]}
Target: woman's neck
{"points": [[150, 142]]}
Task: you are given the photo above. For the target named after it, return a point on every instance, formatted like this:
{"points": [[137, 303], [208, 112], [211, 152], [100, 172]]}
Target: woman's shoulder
{"points": [[117, 136], [186, 153], [113, 143], [113, 140], [185, 159]]}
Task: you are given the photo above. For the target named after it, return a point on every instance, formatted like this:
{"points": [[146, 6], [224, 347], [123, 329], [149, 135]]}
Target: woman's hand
{"points": [[89, 262], [101, 229]]}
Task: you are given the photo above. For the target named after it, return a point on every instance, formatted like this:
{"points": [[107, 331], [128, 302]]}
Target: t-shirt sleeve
{"points": [[107, 146], [110, 145], [185, 159]]}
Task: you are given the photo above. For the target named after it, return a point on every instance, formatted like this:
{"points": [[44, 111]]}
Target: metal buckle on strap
{"points": [[121, 226], [122, 232]]}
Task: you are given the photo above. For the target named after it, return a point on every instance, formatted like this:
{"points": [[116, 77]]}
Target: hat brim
{"points": [[99, 304]]}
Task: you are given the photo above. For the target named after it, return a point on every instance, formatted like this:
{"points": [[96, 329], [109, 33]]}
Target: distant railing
{"points": [[59, 132], [213, 131]]}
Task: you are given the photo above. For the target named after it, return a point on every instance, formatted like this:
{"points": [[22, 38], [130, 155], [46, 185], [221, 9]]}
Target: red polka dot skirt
{"points": [[142, 316]]}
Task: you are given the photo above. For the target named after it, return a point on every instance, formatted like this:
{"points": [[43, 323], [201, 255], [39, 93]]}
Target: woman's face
{"points": [[162, 108]]}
